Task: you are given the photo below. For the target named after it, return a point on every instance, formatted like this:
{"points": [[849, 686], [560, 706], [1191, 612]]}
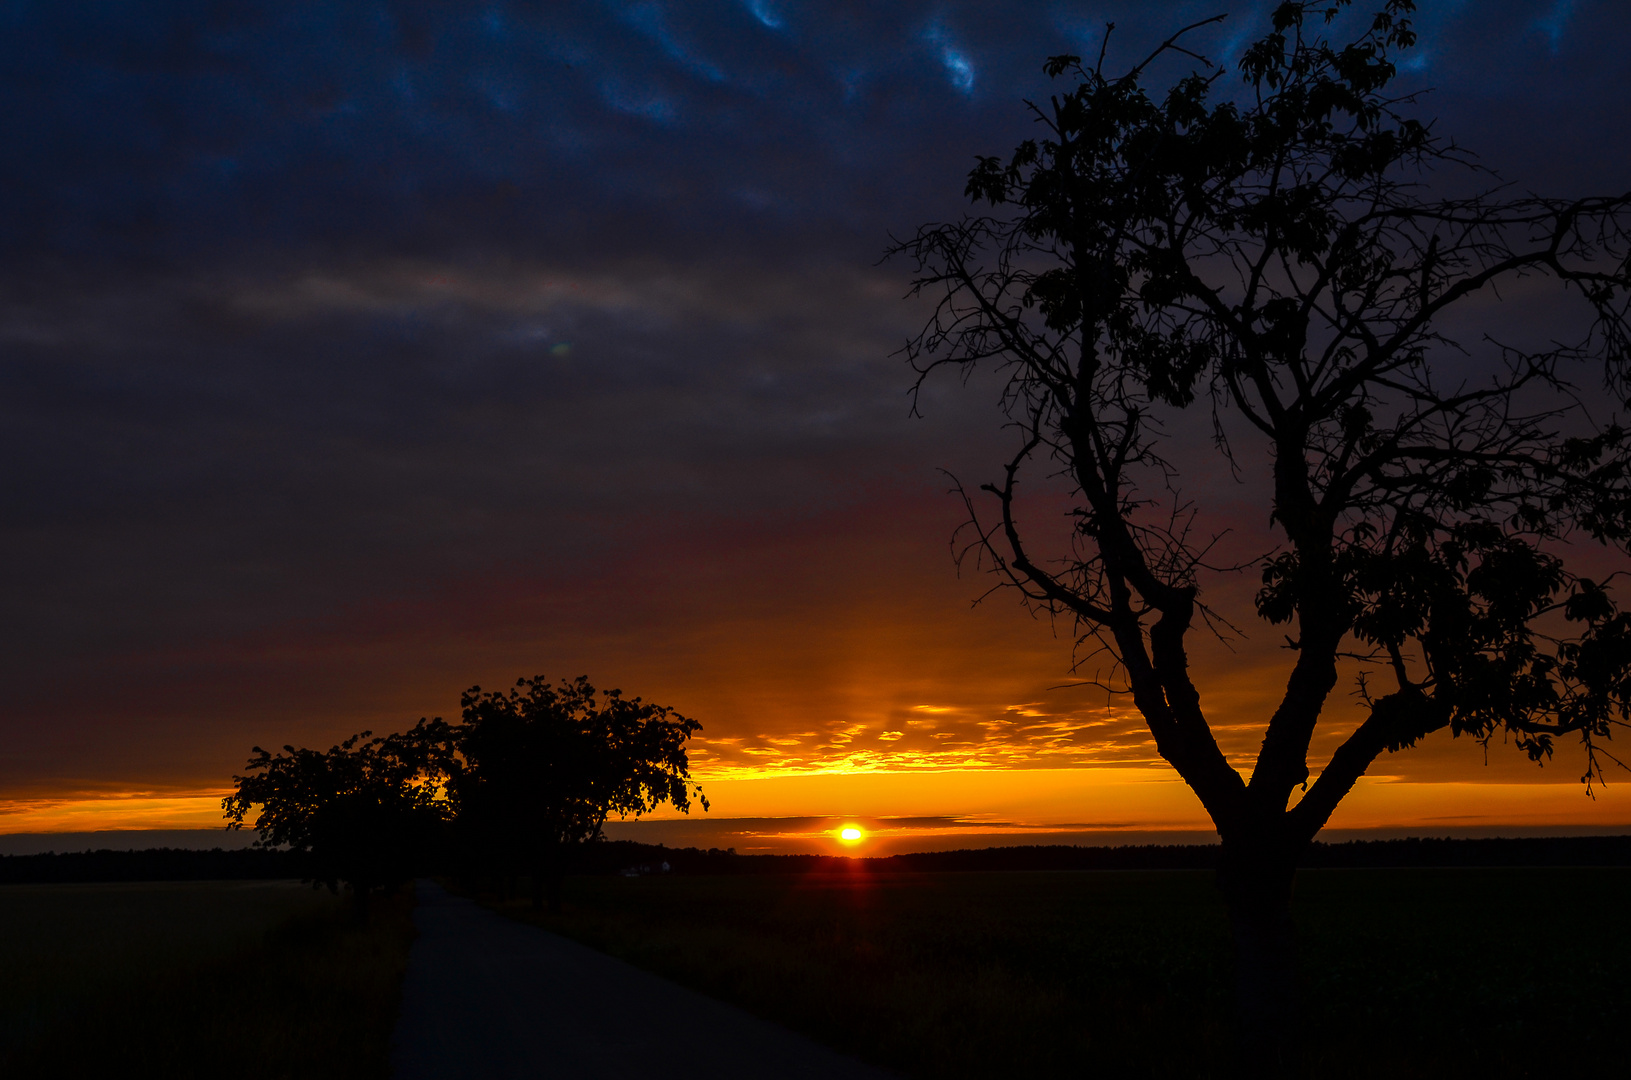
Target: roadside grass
{"points": [[1469, 972], [1415, 973], [196, 979]]}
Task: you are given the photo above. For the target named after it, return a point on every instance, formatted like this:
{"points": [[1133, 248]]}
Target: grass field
{"points": [[1407, 973], [196, 979]]}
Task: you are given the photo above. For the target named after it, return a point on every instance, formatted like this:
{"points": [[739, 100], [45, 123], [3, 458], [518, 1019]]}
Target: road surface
{"points": [[491, 998]]}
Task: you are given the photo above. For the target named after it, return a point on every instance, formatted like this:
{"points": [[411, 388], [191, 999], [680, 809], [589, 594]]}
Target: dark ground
{"points": [[1493, 973], [179, 980]]}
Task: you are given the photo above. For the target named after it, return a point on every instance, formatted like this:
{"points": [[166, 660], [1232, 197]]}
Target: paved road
{"points": [[487, 997]]}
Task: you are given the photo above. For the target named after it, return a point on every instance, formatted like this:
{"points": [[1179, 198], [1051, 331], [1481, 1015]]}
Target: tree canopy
{"points": [[544, 765], [525, 775], [1278, 257], [363, 810]]}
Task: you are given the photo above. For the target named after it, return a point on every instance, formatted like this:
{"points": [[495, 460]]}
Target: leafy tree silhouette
{"points": [[1272, 258], [363, 811], [541, 767]]}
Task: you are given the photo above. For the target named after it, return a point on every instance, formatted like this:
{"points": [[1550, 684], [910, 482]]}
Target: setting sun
{"points": [[849, 834]]}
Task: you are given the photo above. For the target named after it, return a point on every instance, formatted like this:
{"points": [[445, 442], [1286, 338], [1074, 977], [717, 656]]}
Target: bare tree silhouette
{"points": [[1276, 261]]}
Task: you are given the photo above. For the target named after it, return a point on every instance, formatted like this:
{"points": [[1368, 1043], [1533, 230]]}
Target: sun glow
{"points": [[850, 834]]}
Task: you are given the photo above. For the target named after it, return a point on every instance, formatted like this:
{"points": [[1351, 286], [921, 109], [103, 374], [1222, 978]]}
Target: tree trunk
{"points": [[546, 879], [1256, 881]]}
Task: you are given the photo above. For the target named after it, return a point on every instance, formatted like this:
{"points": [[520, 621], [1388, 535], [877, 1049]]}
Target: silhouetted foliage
{"points": [[541, 767], [362, 811], [518, 787], [1404, 852], [614, 857], [1275, 261]]}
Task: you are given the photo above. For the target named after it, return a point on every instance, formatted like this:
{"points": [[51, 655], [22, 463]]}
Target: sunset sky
{"points": [[354, 354]]}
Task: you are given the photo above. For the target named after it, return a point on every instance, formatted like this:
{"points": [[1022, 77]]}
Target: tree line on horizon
{"points": [[508, 792], [606, 857]]}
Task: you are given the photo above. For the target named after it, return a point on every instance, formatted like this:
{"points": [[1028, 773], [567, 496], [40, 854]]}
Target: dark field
{"points": [[1407, 973], [196, 979]]}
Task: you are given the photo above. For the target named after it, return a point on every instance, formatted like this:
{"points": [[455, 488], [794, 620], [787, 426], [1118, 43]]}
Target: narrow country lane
{"points": [[492, 998]]}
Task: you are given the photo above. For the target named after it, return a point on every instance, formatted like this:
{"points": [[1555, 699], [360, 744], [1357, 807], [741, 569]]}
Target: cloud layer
{"points": [[351, 354]]}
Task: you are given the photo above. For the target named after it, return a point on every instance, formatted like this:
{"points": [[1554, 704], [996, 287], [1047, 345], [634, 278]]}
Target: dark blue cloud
{"points": [[176, 131], [147, 130]]}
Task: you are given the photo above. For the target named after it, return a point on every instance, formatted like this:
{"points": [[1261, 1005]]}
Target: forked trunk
{"points": [[1256, 886]]}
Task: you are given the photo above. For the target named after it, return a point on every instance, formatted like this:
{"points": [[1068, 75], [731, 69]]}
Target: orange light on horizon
{"points": [[920, 810], [113, 811]]}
